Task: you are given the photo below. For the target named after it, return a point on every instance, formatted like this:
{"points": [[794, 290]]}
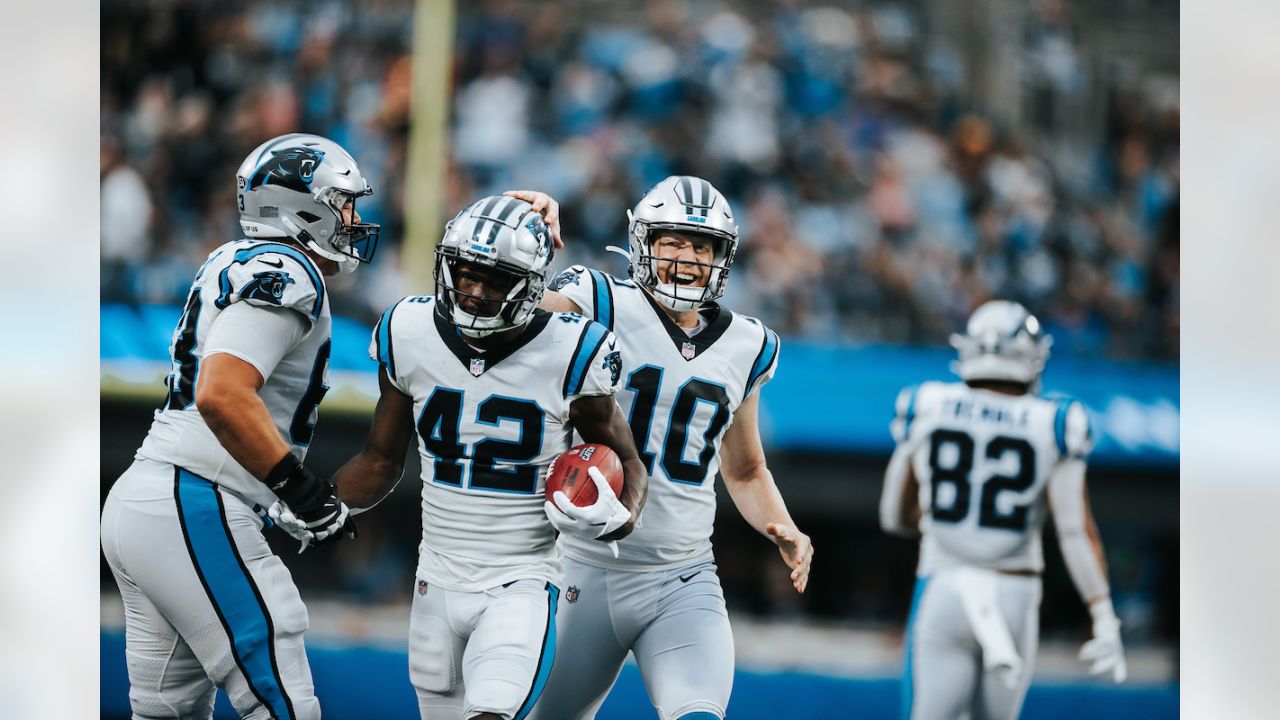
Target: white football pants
{"points": [[675, 623], [206, 602], [944, 676], [478, 652]]}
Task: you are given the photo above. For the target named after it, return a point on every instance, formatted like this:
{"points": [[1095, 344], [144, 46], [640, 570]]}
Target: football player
{"points": [[693, 372], [493, 388], [976, 464], [207, 604]]}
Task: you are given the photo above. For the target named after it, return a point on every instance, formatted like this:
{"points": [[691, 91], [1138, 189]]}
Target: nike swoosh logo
{"points": [[278, 263], [687, 578], [657, 205]]}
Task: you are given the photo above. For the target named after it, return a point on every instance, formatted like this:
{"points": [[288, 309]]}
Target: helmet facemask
{"points": [[646, 265], [350, 243], [522, 291]]}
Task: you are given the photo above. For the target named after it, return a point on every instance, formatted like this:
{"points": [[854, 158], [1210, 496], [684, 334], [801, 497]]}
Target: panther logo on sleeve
{"points": [[613, 361], [291, 168], [266, 286], [571, 276]]}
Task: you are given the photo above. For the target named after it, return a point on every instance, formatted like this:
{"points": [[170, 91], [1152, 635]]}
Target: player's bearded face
{"points": [[683, 259], [480, 290]]}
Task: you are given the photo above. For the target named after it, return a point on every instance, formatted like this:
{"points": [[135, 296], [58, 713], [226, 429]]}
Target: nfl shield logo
{"points": [[688, 350], [422, 587], [477, 366], [571, 594]]}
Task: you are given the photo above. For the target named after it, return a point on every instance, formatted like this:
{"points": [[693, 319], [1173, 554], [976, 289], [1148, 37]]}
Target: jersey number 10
{"points": [[958, 475]]}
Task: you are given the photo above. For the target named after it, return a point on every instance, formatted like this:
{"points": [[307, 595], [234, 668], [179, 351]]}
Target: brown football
{"points": [[568, 473]]}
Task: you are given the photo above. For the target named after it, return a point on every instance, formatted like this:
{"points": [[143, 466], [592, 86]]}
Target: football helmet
{"points": [[295, 186], [1001, 342], [689, 205], [505, 236]]}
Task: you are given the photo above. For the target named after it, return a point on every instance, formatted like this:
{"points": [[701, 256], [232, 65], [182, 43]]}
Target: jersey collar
{"points": [[718, 321], [469, 356]]}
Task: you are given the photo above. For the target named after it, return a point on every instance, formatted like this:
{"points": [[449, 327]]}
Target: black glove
{"points": [[320, 516]]}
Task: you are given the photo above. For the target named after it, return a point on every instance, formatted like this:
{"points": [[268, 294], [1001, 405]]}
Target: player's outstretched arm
{"points": [[598, 420], [1082, 552], [900, 499], [751, 486], [365, 479]]}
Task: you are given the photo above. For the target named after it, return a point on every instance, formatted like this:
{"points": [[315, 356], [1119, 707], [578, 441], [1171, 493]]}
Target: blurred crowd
{"points": [[877, 200]]}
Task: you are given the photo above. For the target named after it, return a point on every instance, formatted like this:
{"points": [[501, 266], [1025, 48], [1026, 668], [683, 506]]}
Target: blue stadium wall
{"points": [[362, 683], [825, 397]]}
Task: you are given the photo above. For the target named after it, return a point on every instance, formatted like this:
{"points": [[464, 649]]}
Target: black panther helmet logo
{"points": [[291, 168]]}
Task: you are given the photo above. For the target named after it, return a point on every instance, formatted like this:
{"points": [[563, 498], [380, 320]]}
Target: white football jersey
{"points": [[679, 394], [264, 274], [983, 461], [489, 423]]}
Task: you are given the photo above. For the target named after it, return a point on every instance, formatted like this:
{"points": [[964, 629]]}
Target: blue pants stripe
{"points": [[231, 590], [546, 659], [907, 684]]}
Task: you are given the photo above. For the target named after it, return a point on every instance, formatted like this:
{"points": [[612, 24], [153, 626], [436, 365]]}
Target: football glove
{"points": [[308, 507], [594, 521], [1105, 651]]}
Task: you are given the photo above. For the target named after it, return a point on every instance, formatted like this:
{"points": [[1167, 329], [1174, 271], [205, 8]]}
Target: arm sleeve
{"points": [[766, 362], [1068, 504], [382, 347], [257, 335], [596, 367], [272, 279], [578, 284]]}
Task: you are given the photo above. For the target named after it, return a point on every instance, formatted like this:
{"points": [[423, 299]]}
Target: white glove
{"points": [[594, 521], [1105, 651], [313, 533]]}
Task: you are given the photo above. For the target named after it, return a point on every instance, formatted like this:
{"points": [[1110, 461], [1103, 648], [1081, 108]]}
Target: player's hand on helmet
{"points": [[595, 521], [796, 550], [1104, 651], [308, 507], [545, 204]]}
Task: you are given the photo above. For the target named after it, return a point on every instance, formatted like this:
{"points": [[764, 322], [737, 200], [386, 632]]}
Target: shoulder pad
{"points": [[766, 359], [272, 274], [1072, 430]]}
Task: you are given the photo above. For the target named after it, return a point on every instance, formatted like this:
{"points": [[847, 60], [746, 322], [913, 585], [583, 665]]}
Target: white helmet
{"points": [[687, 205], [1002, 342], [295, 186], [505, 235]]}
